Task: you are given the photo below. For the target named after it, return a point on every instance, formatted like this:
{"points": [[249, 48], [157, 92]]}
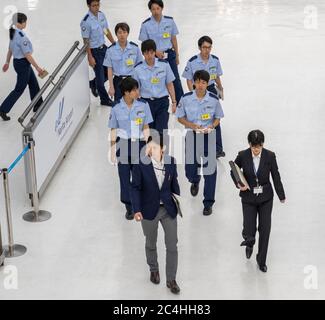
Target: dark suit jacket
{"points": [[145, 193], [267, 165]]}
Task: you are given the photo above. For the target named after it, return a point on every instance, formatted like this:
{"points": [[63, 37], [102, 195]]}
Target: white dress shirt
{"points": [[256, 161], [159, 168]]}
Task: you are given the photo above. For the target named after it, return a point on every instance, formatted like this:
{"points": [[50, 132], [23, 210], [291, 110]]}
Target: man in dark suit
{"points": [[257, 163], [154, 181]]}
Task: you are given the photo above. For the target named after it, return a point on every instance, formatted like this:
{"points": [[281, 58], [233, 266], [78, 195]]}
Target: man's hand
{"points": [[92, 62], [242, 188], [5, 67], [174, 106], [138, 216], [111, 91], [160, 54]]}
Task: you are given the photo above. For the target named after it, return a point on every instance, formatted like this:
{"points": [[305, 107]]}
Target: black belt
{"points": [[155, 99], [99, 48], [122, 77], [130, 139]]}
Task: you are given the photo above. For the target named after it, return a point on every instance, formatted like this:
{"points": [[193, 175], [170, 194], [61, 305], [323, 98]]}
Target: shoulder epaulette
{"points": [[86, 17], [112, 45], [168, 17], [21, 34], [134, 44], [162, 60], [193, 58], [142, 100], [188, 94], [213, 95], [146, 20], [138, 64], [214, 57]]}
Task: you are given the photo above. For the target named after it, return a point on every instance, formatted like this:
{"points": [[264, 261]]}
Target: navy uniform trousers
{"points": [[197, 147], [25, 77], [177, 82], [100, 73], [127, 154], [219, 145]]}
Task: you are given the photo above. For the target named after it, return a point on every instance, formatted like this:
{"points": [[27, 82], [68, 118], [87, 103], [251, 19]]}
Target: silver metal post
{"points": [[2, 253], [36, 215], [12, 250]]}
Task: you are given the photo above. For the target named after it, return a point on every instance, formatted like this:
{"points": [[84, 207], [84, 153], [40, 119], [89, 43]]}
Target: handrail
{"points": [[22, 118], [59, 83]]}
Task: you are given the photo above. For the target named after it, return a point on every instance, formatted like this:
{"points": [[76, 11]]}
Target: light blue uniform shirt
{"points": [[122, 61], [130, 122], [202, 112], [161, 32], [153, 80], [196, 63], [20, 45], [93, 27]]}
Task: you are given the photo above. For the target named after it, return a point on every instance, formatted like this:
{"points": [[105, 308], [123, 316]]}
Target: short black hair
{"points": [[256, 138], [204, 39], [128, 84], [157, 138], [160, 3], [122, 25], [201, 75], [89, 2], [148, 45]]}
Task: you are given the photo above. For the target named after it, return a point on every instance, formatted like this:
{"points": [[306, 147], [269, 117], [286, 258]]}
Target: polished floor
{"points": [[272, 53]]}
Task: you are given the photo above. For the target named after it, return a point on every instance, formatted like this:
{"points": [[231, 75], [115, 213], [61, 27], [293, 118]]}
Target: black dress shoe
{"points": [[173, 286], [194, 189], [262, 267], [207, 211], [249, 251], [220, 154], [4, 116], [129, 214], [93, 88], [154, 277], [109, 103]]}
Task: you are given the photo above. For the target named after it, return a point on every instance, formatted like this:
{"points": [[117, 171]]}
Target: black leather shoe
{"points": [[249, 251], [4, 116], [107, 104], [220, 154], [93, 89], [154, 277], [263, 267], [173, 286], [207, 211], [194, 189]]}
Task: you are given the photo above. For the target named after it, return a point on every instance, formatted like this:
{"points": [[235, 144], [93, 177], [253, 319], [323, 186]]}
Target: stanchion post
{"points": [[35, 215], [2, 253], [12, 250]]}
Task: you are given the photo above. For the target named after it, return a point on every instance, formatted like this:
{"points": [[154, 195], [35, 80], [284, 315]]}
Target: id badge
{"points": [[138, 121], [166, 35], [258, 190], [213, 76], [165, 55], [155, 80], [129, 62], [206, 116]]}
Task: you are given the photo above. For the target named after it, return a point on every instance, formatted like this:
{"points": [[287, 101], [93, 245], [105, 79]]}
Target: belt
{"points": [[122, 77], [168, 50], [155, 99], [133, 139], [99, 48]]}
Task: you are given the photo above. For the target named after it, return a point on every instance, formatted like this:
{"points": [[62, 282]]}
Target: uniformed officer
{"points": [[21, 49], [211, 63], [155, 79], [163, 30], [200, 112], [94, 27], [121, 57], [129, 122]]}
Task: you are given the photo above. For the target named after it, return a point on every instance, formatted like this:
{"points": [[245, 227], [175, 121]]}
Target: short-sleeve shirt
{"points": [[20, 45]]}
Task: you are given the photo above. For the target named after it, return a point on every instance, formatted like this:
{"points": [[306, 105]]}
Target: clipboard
{"points": [[238, 175]]}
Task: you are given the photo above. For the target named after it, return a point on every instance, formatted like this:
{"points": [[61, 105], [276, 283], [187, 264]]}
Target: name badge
{"points": [[155, 80], [129, 62], [213, 76], [166, 35], [138, 121], [206, 116], [258, 190]]}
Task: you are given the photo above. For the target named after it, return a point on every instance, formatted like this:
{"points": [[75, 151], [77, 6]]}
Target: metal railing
{"points": [[49, 81]]}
